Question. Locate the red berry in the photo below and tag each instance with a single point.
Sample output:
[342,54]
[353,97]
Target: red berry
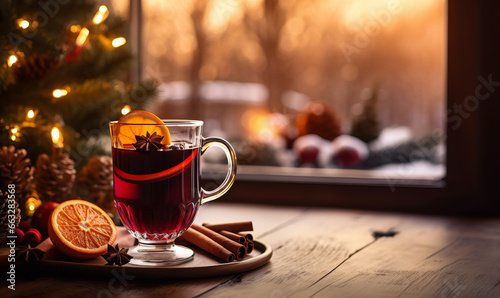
[347,157]
[19,234]
[42,215]
[32,237]
[24,226]
[308,155]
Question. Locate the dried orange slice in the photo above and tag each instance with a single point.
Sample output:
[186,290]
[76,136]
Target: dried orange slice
[126,133]
[81,230]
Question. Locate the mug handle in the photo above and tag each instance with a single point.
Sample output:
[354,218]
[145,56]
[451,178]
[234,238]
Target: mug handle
[210,195]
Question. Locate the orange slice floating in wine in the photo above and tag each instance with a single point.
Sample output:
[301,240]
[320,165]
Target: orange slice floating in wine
[141,122]
[81,230]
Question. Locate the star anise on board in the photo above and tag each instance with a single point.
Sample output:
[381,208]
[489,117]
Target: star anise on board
[29,255]
[148,142]
[116,255]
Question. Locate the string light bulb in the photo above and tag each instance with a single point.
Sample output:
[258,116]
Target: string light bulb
[82,36]
[101,14]
[22,23]
[32,204]
[31,114]
[12,59]
[57,138]
[75,28]
[14,133]
[125,110]
[118,42]
[58,93]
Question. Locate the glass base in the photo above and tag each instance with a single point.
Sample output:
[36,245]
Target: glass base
[159,254]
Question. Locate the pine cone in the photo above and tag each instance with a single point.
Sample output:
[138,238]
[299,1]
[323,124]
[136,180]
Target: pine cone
[320,119]
[97,179]
[16,169]
[4,214]
[55,178]
[34,66]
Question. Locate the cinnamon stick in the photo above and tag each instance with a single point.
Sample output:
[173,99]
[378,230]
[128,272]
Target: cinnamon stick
[250,246]
[234,227]
[248,236]
[235,247]
[204,242]
[233,236]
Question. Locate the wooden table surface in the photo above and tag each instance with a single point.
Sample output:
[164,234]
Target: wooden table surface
[319,252]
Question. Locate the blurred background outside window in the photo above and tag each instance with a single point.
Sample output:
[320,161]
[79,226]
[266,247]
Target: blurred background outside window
[320,88]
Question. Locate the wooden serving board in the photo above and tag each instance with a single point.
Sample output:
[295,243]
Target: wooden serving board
[203,265]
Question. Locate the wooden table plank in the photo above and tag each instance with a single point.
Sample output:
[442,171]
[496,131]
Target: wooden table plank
[430,257]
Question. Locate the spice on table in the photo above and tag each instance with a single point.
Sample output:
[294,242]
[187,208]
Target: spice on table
[29,255]
[204,242]
[236,248]
[234,227]
[117,255]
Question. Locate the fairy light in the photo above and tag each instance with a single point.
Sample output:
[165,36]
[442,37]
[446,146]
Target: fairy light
[125,110]
[14,133]
[101,14]
[31,205]
[22,23]
[58,93]
[57,138]
[12,59]
[31,114]
[75,28]
[82,36]
[118,42]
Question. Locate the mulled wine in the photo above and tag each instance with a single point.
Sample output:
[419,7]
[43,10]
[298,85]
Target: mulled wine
[157,192]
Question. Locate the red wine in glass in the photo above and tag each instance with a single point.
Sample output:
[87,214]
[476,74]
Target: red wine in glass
[156,192]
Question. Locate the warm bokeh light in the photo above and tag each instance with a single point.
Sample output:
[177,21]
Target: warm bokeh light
[125,110]
[22,23]
[101,14]
[31,205]
[14,133]
[58,93]
[31,114]
[12,60]
[82,36]
[118,42]
[57,138]
[75,28]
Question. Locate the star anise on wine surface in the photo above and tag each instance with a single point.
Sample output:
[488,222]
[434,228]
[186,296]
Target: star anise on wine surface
[148,142]
[29,255]
[116,255]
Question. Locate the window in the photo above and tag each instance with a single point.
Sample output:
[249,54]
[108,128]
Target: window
[225,64]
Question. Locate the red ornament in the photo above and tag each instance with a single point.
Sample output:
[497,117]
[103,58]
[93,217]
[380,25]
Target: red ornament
[347,157]
[308,155]
[70,57]
[19,235]
[24,226]
[42,215]
[32,237]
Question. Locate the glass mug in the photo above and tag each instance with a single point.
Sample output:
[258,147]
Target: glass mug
[157,192]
